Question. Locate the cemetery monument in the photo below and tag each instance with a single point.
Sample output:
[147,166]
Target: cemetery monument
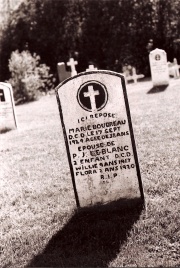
[130,74]
[159,67]
[61,68]
[99,138]
[72,63]
[62,73]
[7,108]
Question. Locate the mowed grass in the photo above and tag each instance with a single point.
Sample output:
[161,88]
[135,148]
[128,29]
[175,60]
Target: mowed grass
[40,226]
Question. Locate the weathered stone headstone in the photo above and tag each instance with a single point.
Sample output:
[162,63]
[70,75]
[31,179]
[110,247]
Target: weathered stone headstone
[62,73]
[72,63]
[100,144]
[130,74]
[159,67]
[174,68]
[7,109]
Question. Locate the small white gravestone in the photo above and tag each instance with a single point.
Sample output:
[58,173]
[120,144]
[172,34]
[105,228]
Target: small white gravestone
[134,76]
[7,108]
[159,67]
[97,128]
[174,68]
[72,63]
[91,68]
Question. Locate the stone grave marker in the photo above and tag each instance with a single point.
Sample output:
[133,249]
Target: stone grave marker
[7,108]
[62,73]
[99,138]
[129,73]
[159,67]
[174,68]
[72,63]
[91,68]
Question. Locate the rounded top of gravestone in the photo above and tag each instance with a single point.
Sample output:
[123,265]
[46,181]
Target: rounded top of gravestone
[96,123]
[157,51]
[5,84]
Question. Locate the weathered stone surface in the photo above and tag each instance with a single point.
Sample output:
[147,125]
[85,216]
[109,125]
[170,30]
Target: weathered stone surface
[7,109]
[159,67]
[99,139]
[62,73]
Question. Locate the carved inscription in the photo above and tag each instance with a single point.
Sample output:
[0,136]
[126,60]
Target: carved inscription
[97,149]
[98,137]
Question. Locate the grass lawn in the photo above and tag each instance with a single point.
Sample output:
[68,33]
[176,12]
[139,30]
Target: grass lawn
[39,224]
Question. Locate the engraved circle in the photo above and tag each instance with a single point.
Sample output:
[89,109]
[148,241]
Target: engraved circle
[157,57]
[92,95]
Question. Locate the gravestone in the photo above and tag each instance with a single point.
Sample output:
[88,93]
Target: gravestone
[72,63]
[159,67]
[7,108]
[62,73]
[91,68]
[99,138]
[129,73]
[174,68]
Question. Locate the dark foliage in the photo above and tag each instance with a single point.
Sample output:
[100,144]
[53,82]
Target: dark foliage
[106,33]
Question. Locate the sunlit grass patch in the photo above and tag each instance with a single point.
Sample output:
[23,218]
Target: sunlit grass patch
[39,223]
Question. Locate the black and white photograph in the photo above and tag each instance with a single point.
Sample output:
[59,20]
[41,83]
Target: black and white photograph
[89,133]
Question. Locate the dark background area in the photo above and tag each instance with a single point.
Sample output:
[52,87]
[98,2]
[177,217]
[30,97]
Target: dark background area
[107,33]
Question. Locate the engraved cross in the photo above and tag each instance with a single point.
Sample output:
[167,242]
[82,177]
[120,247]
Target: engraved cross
[91,94]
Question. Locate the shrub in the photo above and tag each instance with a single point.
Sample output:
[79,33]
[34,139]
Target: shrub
[28,76]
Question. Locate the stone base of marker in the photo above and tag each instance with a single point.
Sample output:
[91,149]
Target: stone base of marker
[100,144]
[121,204]
[8,119]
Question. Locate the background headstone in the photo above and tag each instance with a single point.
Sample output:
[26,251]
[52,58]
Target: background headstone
[7,108]
[174,68]
[62,73]
[72,63]
[99,138]
[159,67]
[130,74]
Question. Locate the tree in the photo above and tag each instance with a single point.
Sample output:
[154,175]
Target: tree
[167,28]
[117,32]
[28,76]
[107,33]
[48,28]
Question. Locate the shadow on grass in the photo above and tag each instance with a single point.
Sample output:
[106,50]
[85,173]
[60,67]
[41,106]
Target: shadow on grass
[4,130]
[157,89]
[92,237]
